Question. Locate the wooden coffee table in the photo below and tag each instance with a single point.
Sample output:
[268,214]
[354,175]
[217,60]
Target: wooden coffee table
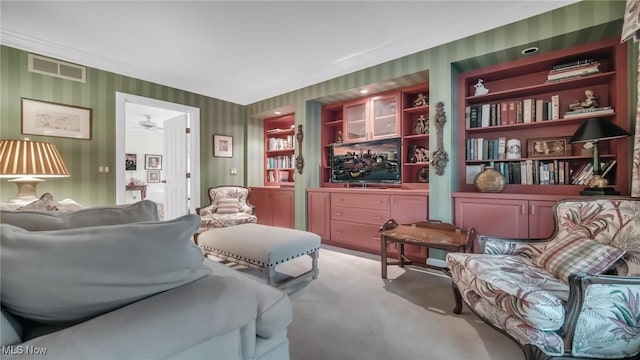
[429,234]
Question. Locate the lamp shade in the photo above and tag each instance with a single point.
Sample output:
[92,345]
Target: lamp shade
[597,129]
[20,158]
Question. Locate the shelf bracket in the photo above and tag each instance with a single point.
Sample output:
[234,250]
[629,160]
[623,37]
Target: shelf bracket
[439,157]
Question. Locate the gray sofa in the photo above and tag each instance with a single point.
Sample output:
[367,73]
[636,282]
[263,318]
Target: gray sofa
[116,283]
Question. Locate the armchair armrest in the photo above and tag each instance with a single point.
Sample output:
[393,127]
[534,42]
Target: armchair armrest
[529,248]
[608,303]
[159,326]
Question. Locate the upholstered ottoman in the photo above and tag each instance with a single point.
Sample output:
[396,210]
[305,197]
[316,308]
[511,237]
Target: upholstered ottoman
[262,247]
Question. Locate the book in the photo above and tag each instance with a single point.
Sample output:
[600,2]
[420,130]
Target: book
[555,107]
[589,111]
[474,116]
[527,106]
[519,111]
[471,172]
[539,108]
[502,147]
[504,113]
[467,116]
[570,64]
[576,72]
[485,115]
[511,113]
[608,167]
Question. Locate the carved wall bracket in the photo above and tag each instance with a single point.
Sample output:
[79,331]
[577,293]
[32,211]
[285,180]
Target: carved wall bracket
[299,158]
[439,158]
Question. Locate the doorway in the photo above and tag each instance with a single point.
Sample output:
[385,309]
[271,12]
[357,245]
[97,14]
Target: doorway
[183,157]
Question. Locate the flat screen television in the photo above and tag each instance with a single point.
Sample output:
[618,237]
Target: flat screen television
[375,161]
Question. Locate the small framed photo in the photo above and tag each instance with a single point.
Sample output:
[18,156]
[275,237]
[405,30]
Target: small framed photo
[547,147]
[153,176]
[130,161]
[222,146]
[51,119]
[152,162]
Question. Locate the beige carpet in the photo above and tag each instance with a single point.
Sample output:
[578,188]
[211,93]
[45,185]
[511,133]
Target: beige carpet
[350,312]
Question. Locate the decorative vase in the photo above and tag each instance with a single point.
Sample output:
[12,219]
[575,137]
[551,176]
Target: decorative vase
[489,180]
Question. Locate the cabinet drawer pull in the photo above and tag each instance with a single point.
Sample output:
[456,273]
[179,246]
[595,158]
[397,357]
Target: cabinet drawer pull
[376,217]
[522,209]
[339,232]
[338,212]
[533,209]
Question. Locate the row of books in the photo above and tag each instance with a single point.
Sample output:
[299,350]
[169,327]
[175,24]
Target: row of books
[280,143]
[578,68]
[512,112]
[486,149]
[280,162]
[541,172]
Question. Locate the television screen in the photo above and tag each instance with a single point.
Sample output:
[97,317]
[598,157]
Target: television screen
[376,161]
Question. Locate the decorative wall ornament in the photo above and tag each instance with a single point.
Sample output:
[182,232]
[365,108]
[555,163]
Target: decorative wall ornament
[439,158]
[299,158]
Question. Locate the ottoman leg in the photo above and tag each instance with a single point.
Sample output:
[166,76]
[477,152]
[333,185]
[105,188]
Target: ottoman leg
[314,263]
[270,273]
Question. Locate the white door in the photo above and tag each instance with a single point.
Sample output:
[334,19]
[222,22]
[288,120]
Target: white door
[176,190]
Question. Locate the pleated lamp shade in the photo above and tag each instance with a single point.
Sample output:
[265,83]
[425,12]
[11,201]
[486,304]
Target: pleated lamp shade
[27,161]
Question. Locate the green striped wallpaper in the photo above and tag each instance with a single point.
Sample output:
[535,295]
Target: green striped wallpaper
[86,185]
[560,28]
[568,26]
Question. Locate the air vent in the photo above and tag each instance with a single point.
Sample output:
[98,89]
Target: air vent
[64,70]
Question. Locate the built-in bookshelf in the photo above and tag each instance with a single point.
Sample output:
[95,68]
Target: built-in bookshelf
[279,155]
[402,113]
[533,106]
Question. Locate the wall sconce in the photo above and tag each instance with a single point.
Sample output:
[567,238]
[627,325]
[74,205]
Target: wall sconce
[28,161]
[595,130]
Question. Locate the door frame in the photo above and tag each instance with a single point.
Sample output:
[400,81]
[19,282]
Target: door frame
[193,162]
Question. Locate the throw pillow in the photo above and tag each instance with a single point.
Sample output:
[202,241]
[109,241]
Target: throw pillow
[46,202]
[574,255]
[35,220]
[62,277]
[227,205]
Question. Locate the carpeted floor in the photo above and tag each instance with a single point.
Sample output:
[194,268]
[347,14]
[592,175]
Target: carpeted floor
[350,312]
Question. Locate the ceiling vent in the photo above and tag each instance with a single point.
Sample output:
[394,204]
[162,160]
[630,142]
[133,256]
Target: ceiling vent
[64,70]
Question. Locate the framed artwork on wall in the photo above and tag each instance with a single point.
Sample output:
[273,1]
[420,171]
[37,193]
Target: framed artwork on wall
[152,162]
[130,161]
[51,119]
[153,176]
[222,146]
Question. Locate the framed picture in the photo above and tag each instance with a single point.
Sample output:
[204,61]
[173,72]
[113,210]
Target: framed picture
[51,119]
[152,162]
[547,147]
[153,176]
[130,161]
[222,146]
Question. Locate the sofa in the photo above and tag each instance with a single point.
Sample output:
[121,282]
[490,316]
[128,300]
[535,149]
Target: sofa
[116,283]
[575,294]
[228,206]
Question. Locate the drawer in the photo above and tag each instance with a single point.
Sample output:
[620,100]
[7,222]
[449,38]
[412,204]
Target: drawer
[366,201]
[356,236]
[363,215]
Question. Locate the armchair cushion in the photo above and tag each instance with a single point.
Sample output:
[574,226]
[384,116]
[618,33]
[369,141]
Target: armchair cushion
[577,255]
[92,270]
[227,205]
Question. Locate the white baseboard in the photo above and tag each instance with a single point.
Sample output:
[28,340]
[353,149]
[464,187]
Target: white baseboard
[436,262]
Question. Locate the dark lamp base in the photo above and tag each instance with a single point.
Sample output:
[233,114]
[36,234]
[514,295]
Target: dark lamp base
[591,191]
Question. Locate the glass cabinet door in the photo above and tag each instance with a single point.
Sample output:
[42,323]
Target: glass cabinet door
[384,122]
[355,127]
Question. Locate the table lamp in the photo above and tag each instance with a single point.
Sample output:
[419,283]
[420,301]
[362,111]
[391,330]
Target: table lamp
[595,130]
[27,162]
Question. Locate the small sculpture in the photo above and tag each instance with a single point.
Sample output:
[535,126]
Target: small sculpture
[421,154]
[480,89]
[339,139]
[591,101]
[422,125]
[421,100]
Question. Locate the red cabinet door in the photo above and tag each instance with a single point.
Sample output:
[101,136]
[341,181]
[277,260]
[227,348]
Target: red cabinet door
[260,199]
[406,209]
[281,208]
[540,219]
[497,217]
[318,213]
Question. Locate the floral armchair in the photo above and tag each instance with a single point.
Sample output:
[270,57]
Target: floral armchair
[228,205]
[573,295]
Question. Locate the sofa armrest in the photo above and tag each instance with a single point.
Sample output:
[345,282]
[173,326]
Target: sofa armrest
[205,210]
[529,248]
[608,303]
[159,326]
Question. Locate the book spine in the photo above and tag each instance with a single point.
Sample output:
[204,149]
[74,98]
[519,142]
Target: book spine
[486,115]
[555,107]
[504,113]
[474,114]
[502,147]
[539,107]
[519,112]
[512,113]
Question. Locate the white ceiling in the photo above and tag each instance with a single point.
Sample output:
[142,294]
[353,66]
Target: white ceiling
[247,51]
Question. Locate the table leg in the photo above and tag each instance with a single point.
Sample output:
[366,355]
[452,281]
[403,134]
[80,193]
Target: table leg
[383,255]
[401,253]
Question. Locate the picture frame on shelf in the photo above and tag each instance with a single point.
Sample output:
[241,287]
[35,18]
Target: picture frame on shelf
[222,146]
[546,147]
[153,176]
[152,162]
[130,162]
[53,119]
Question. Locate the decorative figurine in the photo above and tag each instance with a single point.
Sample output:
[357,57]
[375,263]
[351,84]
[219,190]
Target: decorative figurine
[422,125]
[480,89]
[339,139]
[591,101]
[421,100]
